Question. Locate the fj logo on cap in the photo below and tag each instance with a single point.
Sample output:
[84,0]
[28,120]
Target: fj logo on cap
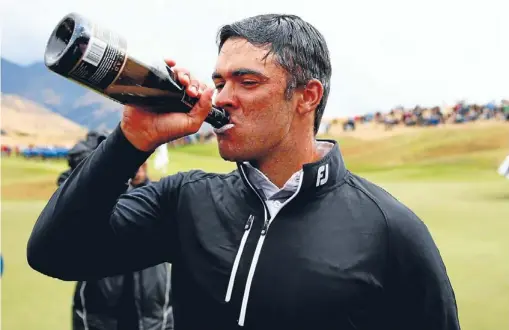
[323,175]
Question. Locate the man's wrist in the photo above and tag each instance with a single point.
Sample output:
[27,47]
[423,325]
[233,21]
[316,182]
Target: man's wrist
[127,147]
[136,142]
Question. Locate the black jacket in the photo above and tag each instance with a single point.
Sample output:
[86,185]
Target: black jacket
[343,254]
[133,301]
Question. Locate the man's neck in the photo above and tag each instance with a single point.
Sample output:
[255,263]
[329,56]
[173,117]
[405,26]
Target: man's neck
[286,160]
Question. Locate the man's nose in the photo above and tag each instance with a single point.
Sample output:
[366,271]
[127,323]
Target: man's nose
[225,97]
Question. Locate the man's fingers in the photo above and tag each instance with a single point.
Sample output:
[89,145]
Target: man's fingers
[204,104]
[171,63]
[193,88]
[202,88]
[202,107]
[183,76]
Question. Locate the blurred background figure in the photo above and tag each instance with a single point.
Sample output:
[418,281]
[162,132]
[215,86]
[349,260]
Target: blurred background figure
[140,178]
[81,150]
[161,159]
[132,301]
[503,169]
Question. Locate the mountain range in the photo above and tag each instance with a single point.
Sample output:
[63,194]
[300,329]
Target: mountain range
[38,84]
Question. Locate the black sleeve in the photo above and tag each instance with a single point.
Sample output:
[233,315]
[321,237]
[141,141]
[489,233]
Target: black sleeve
[91,228]
[423,297]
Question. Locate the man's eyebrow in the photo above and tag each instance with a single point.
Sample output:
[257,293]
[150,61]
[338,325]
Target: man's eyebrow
[240,72]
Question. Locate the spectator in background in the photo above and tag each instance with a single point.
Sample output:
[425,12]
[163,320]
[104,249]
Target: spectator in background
[6,150]
[390,120]
[131,301]
[505,109]
[140,178]
[349,125]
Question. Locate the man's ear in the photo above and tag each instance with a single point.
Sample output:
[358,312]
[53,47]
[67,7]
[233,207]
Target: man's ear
[310,97]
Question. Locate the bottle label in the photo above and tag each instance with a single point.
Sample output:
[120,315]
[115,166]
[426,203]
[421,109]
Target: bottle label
[103,59]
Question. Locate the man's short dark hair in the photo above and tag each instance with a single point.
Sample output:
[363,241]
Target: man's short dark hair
[297,45]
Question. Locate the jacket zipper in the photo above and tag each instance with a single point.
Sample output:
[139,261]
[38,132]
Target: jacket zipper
[267,221]
[166,309]
[247,230]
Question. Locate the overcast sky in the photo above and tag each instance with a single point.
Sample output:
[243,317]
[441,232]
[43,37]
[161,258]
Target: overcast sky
[384,52]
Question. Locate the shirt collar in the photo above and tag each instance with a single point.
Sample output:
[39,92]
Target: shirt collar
[266,188]
[317,176]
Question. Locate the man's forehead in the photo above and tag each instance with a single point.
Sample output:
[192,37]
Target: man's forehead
[239,53]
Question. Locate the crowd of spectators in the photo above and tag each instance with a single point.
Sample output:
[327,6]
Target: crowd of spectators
[461,112]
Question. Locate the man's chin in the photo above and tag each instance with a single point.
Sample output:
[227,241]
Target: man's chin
[230,155]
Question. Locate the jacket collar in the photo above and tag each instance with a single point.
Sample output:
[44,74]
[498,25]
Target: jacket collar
[326,173]
[317,177]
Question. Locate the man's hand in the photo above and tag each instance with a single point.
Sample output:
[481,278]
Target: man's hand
[147,130]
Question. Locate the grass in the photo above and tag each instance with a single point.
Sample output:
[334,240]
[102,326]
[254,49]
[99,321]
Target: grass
[447,177]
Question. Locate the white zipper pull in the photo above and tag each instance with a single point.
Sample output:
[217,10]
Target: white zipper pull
[265,227]
[247,230]
[249,222]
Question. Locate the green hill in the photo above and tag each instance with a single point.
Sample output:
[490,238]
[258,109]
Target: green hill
[432,153]
[440,153]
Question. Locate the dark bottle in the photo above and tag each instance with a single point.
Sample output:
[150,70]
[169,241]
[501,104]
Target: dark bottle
[95,57]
